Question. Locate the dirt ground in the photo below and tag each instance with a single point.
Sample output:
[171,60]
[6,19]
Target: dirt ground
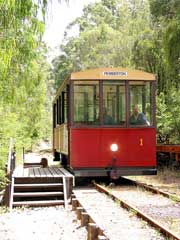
[43,150]
[55,223]
[47,223]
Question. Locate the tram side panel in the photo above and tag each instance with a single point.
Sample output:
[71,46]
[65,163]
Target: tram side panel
[90,148]
[61,139]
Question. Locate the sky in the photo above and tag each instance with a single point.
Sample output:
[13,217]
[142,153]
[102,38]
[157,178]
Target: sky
[59,16]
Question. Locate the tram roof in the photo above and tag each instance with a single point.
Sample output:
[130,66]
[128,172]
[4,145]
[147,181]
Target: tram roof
[112,74]
[108,74]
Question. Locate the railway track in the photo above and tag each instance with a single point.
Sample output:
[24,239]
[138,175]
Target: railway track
[153,189]
[106,220]
[148,211]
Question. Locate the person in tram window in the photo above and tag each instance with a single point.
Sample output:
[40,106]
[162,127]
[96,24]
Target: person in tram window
[137,118]
[107,118]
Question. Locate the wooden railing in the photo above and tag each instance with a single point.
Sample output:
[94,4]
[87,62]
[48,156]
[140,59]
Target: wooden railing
[11,162]
[10,166]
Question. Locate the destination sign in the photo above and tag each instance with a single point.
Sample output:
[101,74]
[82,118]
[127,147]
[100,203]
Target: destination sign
[112,73]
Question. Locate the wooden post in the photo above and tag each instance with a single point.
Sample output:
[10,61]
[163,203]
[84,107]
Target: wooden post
[44,162]
[84,219]
[92,231]
[72,196]
[79,210]
[74,204]
[11,193]
[7,194]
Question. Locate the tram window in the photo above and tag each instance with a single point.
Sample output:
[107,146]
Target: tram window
[114,103]
[86,102]
[64,107]
[140,103]
[54,115]
[60,111]
[57,105]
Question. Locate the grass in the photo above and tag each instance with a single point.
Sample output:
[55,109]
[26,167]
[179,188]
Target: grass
[166,179]
[133,212]
[118,202]
[3,209]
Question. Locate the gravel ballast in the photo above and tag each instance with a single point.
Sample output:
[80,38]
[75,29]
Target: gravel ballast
[116,222]
[47,223]
[160,208]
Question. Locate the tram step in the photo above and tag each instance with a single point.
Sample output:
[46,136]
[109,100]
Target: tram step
[39,203]
[37,194]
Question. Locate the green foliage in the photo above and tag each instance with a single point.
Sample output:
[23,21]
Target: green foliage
[172,46]
[164,119]
[174,109]
[167,9]
[24,107]
[107,33]
[168,117]
[166,19]
[166,15]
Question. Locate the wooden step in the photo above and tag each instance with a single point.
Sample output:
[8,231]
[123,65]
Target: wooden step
[41,187]
[39,203]
[37,194]
[38,185]
[66,173]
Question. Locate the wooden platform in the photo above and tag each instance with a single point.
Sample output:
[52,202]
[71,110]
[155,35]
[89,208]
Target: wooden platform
[37,172]
[38,186]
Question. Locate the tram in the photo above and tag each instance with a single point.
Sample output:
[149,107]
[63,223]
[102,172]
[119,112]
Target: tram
[104,123]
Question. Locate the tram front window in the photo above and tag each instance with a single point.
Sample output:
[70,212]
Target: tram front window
[140,103]
[114,103]
[86,102]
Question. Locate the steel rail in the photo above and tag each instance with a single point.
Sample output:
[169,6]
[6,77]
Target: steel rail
[140,214]
[154,190]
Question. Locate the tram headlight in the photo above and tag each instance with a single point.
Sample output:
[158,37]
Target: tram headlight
[114,147]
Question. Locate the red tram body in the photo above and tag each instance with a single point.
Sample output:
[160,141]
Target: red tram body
[88,144]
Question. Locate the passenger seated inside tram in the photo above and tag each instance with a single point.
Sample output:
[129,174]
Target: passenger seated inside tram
[137,118]
[107,118]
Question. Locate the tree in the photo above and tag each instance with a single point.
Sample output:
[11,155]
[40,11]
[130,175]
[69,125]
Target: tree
[167,15]
[107,33]
[23,75]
